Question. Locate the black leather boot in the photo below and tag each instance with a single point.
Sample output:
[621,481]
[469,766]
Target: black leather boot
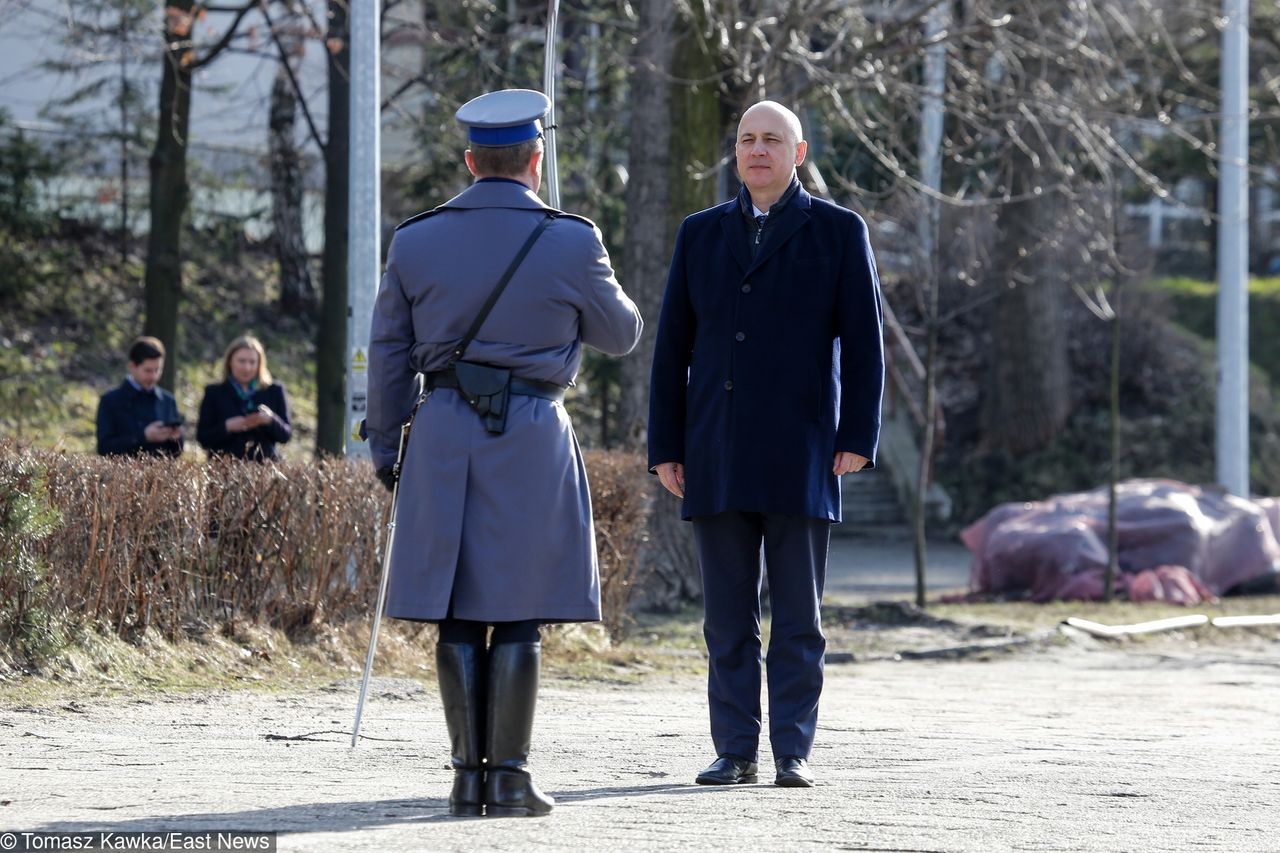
[460,669]
[513,693]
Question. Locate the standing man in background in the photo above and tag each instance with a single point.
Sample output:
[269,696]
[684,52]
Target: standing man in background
[494,509]
[139,416]
[767,376]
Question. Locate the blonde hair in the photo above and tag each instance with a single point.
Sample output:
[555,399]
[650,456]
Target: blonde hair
[247,342]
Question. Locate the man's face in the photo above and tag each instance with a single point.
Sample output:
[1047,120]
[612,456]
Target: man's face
[147,374]
[767,151]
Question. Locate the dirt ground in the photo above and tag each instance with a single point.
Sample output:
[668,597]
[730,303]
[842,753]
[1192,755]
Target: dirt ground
[1070,745]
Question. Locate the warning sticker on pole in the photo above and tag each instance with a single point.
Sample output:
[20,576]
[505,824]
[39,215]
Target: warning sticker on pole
[359,372]
[357,400]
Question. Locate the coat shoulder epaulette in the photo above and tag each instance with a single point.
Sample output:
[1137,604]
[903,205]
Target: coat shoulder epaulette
[560,214]
[419,217]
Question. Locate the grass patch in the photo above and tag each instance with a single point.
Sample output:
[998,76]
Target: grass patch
[240,656]
[1027,616]
[72,306]
[236,656]
[1194,304]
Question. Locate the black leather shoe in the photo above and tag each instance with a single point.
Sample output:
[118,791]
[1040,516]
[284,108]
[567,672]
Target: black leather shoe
[793,773]
[729,770]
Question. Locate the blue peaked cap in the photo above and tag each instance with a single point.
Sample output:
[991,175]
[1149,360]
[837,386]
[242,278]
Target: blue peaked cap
[502,118]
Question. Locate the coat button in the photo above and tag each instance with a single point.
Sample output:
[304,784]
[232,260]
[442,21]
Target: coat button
[728,385]
[746,288]
[741,336]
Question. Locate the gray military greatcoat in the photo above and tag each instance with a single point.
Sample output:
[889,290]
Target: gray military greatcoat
[492,528]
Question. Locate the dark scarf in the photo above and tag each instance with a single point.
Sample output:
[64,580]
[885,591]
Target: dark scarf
[246,397]
[745,203]
[755,226]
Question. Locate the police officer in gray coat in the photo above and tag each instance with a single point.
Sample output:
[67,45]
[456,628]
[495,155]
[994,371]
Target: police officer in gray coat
[494,523]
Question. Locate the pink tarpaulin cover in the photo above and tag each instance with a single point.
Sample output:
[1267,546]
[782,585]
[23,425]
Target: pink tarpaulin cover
[1178,543]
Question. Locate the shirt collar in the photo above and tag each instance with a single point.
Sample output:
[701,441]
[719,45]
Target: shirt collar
[133,383]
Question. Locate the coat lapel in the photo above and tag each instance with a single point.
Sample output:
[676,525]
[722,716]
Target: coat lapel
[735,235]
[792,218]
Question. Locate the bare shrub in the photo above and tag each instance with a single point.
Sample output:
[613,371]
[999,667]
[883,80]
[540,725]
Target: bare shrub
[164,544]
[157,543]
[620,508]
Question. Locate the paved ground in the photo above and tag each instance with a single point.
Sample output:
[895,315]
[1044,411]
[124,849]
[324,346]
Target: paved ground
[1074,746]
[1077,748]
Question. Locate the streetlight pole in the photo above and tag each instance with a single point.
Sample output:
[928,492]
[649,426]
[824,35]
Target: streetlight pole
[1233,254]
[364,212]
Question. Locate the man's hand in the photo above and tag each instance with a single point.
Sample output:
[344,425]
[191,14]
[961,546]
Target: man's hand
[156,432]
[672,476]
[387,477]
[848,463]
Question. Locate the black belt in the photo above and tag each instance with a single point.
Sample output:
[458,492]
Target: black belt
[523,387]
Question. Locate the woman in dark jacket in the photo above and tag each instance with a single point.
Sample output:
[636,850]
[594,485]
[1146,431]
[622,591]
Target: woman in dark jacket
[247,415]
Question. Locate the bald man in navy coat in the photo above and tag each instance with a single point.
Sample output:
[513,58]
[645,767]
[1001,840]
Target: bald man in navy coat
[767,378]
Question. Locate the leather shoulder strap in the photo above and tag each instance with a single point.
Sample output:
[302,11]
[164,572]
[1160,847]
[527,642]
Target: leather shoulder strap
[461,348]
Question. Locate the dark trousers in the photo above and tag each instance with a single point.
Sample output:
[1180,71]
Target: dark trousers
[794,548]
[467,633]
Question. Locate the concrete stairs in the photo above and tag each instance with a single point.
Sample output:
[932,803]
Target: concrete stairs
[871,505]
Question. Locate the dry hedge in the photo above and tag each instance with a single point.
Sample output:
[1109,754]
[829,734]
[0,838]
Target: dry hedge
[166,544]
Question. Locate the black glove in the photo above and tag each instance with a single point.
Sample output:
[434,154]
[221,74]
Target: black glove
[387,476]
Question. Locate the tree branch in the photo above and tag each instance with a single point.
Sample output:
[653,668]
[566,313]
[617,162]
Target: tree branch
[293,81]
[240,13]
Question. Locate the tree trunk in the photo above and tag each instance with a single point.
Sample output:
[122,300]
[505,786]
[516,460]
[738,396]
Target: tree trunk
[331,341]
[1113,486]
[297,293]
[681,136]
[1029,397]
[647,252]
[169,196]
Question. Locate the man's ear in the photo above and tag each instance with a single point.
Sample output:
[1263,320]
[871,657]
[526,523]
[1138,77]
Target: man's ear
[535,162]
[471,163]
[802,148]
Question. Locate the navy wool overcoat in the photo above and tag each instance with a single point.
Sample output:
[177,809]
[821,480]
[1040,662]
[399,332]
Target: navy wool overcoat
[221,403]
[764,367]
[493,528]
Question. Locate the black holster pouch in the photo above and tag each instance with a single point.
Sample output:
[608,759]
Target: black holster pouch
[487,390]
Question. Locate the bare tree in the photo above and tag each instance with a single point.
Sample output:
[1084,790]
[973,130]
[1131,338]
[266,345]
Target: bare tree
[331,340]
[170,192]
[103,48]
[297,292]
